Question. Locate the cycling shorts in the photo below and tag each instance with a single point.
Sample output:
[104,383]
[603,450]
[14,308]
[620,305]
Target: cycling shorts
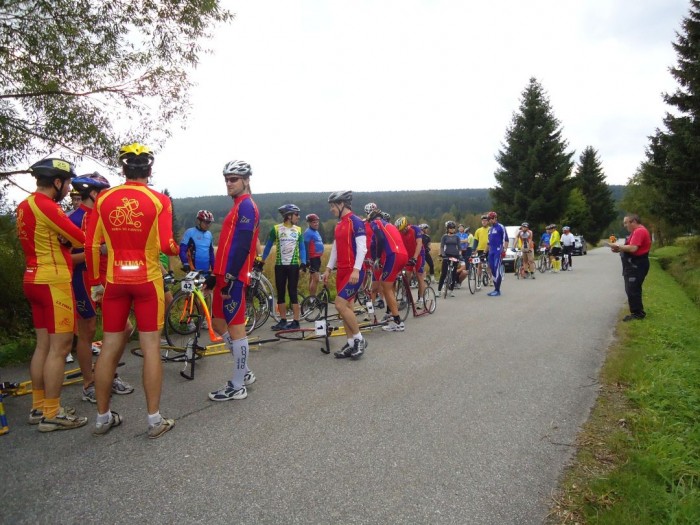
[231,309]
[315,264]
[287,280]
[393,264]
[342,283]
[147,300]
[555,252]
[84,306]
[53,306]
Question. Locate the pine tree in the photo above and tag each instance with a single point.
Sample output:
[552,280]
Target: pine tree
[600,204]
[534,178]
[673,156]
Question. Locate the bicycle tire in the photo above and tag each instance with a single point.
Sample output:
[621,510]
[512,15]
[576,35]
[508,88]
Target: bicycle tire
[518,267]
[429,300]
[564,263]
[472,279]
[542,263]
[402,301]
[298,334]
[170,353]
[448,282]
[261,307]
[312,307]
[181,316]
[485,279]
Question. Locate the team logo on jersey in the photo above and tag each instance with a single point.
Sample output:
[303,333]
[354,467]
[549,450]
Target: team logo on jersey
[231,306]
[126,214]
[21,226]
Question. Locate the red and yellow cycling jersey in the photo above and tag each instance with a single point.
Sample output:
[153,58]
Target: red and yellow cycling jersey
[40,222]
[136,223]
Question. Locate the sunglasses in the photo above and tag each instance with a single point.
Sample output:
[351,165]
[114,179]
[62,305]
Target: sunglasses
[232,179]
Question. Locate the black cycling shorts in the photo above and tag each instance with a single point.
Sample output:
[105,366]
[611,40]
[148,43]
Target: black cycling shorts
[315,264]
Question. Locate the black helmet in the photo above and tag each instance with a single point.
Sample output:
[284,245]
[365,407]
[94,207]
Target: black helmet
[341,196]
[450,224]
[53,168]
[287,209]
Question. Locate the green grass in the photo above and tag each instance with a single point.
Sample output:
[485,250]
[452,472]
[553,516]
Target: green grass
[16,350]
[638,458]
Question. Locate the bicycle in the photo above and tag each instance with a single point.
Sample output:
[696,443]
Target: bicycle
[543,261]
[449,282]
[189,304]
[473,275]
[404,298]
[314,305]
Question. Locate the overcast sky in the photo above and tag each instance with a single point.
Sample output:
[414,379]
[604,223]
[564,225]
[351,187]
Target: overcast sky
[320,95]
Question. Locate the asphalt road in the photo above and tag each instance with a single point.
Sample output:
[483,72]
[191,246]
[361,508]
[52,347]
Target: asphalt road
[466,417]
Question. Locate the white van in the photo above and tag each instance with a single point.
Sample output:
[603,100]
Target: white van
[509,259]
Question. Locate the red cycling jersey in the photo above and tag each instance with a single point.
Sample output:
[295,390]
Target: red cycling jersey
[243,217]
[40,222]
[136,223]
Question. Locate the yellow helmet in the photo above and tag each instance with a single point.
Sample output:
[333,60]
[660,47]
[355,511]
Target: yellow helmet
[136,156]
[401,223]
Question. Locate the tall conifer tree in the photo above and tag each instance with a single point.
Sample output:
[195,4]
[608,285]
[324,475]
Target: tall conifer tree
[672,168]
[534,178]
[600,204]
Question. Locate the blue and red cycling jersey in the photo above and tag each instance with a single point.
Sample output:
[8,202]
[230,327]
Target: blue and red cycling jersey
[314,244]
[238,240]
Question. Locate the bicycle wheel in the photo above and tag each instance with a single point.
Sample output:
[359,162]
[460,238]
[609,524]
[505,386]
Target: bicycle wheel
[564,262]
[402,299]
[542,263]
[518,267]
[448,282]
[261,307]
[181,317]
[429,300]
[312,307]
[472,280]
[485,279]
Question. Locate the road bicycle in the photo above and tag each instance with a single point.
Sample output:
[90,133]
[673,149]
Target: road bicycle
[404,298]
[518,266]
[449,282]
[473,274]
[188,304]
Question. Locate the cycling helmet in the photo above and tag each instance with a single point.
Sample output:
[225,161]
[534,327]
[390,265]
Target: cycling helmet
[385,216]
[287,209]
[423,226]
[450,224]
[238,167]
[86,183]
[340,196]
[492,215]
[566,228]
[312,217]
[401,223]
[53,168]
[484,217]
[205,215]
[550,227]
[371,208]
[74,193]
[525,225]
[136,156]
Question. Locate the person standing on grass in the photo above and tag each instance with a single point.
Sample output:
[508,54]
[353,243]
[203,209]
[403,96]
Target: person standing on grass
[46,235]
[347,254]
[313,242]
[135,223]
[235,256]
[635,264]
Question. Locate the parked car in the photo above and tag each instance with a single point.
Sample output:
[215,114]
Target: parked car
[511,252]
[580,247]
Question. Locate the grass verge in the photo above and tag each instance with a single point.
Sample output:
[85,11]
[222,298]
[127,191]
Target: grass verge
[638,456]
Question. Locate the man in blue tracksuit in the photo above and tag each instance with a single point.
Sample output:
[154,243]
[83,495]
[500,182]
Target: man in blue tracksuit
[498,241]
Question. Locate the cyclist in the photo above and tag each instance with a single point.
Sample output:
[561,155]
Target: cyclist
[88,187]
[413,241]
[449,247]
[554,248]
[496,250]
[464,244]
[197,244]
[313,243]
[235,256]
[426,247]
[290,259]
[481,241]
[524,240]
[136,224]
[347,254]
[389,253]
[567,245]
[46,235]
[75,199]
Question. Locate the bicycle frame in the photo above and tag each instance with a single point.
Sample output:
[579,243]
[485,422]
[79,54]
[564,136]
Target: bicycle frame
[190,286]
[427,308]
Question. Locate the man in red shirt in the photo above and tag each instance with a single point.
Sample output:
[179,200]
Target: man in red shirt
[46,236]
[135,222]
[635,264]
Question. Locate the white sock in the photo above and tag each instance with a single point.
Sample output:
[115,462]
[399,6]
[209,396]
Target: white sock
[227,339]
[104,418]
[240,362]
[154,419]
[357,337]
[351,341]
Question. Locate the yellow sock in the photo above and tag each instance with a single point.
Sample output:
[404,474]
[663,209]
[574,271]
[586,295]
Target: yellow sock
[37,399]
[51,407]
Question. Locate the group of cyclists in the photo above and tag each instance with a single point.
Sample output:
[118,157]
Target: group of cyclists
[114,250]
